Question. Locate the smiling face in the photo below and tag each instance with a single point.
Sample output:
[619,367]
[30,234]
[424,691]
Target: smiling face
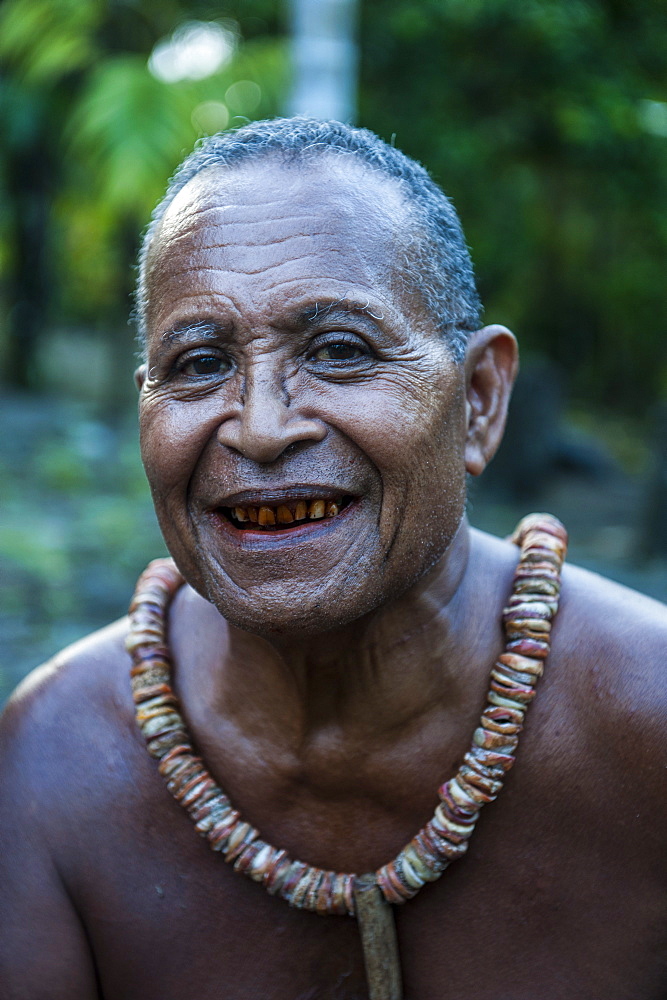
[302,422]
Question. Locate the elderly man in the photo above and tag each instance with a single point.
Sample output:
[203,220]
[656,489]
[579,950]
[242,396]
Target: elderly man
[316,388]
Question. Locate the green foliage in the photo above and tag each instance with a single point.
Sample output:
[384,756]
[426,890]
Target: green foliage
[90,139]
[42,41]
[77,527]
[546,122]
[124,136]
[131,130]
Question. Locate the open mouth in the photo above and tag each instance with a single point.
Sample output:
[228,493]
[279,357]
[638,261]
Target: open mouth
[286,515]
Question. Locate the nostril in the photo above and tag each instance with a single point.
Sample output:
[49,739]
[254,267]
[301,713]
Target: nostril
[264,434]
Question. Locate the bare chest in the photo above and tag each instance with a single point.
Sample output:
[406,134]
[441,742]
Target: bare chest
[530,911]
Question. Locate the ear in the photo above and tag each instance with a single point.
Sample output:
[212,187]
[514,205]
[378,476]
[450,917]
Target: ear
[491,364]
[140,376]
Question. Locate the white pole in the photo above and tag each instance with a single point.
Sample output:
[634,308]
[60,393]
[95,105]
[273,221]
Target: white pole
[324,58]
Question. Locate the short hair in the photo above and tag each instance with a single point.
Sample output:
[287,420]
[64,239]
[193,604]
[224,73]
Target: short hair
[436,264]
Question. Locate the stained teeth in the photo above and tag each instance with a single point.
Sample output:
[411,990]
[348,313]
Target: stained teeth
[284,515]
[301,511]
[266,516]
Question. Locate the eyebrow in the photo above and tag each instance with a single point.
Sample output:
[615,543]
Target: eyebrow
[210,329]
[206,328]
[322,310]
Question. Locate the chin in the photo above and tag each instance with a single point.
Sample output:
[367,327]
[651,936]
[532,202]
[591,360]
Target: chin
[298,597]
[296,608]
[275,614]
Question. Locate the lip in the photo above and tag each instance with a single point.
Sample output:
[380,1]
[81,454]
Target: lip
[281,495]
[280,537]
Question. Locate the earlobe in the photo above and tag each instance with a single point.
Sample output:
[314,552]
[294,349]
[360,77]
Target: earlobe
[140,376]
[491,365]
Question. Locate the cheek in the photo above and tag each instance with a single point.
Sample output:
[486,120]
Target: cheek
[172,436]
[417,446]
[408,437]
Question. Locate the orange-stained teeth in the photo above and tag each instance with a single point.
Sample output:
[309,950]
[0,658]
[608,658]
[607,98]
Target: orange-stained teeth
[316,509]
[301,511]
[284,515]
[266,516]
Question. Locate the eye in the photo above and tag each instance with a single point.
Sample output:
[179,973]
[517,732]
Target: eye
[338,351]
[208,364]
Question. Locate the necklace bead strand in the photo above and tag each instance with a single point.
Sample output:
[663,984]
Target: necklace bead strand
[527,621]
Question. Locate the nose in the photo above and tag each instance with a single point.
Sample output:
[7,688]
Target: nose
[267,422]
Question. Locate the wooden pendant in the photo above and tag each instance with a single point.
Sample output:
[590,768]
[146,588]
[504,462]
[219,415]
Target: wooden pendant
[378,940]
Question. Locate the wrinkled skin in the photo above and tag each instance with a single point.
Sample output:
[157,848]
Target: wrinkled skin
[385,425]
[332,673]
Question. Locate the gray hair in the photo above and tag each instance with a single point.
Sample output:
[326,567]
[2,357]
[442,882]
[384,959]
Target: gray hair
[437,263]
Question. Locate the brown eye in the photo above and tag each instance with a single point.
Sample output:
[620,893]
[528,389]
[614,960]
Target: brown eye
[338,352]
[209,365]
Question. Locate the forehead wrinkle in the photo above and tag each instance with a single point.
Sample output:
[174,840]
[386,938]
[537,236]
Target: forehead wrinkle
[181,255]
[195,212]
[200,269]
[312,236]
[197,197]
[365,300]
[290,212]
[189,236]
[243,202]
[187,221]
[371,262]
[237,180]
[199,246]
[366,292]
[198,294]
[249,189]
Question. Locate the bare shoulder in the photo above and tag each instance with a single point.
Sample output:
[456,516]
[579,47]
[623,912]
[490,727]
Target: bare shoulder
[66,721]
[62,736]
[605,678]
[89,673]
[596,735]
[618,638]
[605,703]
[602,628]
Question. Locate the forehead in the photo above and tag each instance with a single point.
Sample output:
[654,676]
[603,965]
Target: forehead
[272,233]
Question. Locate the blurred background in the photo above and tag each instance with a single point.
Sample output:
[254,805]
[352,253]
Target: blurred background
[544,120]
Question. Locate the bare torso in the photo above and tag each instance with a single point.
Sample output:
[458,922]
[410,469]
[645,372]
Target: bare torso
[112,895]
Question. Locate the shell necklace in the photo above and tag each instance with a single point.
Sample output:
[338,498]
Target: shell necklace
[527,620]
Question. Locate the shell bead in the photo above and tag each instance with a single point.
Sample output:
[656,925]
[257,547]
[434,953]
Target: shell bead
[527,619]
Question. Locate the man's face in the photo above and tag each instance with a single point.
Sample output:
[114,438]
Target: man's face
[288,373]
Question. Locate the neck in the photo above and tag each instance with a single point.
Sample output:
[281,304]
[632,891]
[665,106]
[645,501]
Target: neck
[378,675]
[527,623]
